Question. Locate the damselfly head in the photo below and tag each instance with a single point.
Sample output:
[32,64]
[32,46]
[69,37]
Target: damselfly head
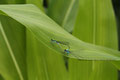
[67,51]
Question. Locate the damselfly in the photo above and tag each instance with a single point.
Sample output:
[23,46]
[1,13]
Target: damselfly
[65,50]
[72,53]
[61,42]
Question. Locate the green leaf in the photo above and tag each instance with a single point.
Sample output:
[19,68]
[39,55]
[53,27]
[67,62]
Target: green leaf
[38,3]
[12,1]
[103,69]
[44,30]
[2,1]
[84,31]
[43,64]
[1,78]
[95,24]
[12,50]
[80,70]
[64,13]
[116,64]
[46,62]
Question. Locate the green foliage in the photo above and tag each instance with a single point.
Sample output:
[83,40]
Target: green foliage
[38,3]
[12,49]
[27,52]
[64,13]
[95,24]
[45,32]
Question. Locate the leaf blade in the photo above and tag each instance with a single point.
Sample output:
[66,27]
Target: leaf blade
[13,58]
[47,32]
